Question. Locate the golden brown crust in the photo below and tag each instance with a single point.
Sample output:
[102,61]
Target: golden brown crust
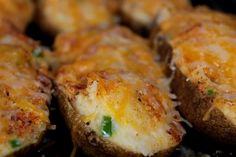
[186,20]
[26,90]
[70,15]
[17,12]
[116,61]
[23,116]
[143,15]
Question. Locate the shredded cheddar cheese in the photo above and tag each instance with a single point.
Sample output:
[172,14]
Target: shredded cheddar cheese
[71,15]
[207,55]
[9,12]
[186,20]
[112,72]
[23,110]
[145,12]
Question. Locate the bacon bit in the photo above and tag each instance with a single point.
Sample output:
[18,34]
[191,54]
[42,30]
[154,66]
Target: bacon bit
[79,86]
[105,83]
[21,122]
[150,97]
[44,80]
[201,87]
[39,99]
[176,130]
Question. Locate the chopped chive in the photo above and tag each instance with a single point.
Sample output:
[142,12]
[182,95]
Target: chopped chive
[107,126]
[211,92]
[37,53]
[15,143]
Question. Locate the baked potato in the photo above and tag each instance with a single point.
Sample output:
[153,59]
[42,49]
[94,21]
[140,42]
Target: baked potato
[113,95]
[203,61]
[16,12]
[69,15]
[41,55]
[185,20]
[162,34]
[146,14]
[25,93]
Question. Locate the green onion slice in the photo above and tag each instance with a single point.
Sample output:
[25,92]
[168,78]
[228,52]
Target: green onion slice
[37,53]
[107,126]
[211,92]
[15,143]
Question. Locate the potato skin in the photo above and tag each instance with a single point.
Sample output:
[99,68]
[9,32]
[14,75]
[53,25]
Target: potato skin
[19,42]
[164,50]
[194,104]
[23,152]
[86,139]
[71,82]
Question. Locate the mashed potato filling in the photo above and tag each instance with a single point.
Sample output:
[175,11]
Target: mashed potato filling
[134,127]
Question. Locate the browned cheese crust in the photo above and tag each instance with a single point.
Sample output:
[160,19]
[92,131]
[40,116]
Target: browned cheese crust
[143,15]
[86,57]
[199,106]
[17,12]
[56,16]
[25,93]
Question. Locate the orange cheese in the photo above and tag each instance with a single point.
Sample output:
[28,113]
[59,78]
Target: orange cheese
[71,15]
[112,72]
[206,55]
[23,98]
[9,11]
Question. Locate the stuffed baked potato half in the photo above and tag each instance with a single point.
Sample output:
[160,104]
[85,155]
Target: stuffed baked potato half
[146,14]
[25,93]
[113,95]
[57,16]
[17,12]
[203,62]
[184,21]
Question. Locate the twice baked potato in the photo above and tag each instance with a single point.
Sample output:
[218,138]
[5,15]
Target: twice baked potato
[41,56]
[17,12]
[113,95]
[25,93]
[69,15]
[203,61]
[144,14]
[185,20]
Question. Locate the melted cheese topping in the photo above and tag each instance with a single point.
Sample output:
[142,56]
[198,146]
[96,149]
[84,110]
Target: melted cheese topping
[206,55]
[145,12]
[117,48]
[18,12]
[185,20]
[9,36]
[71,15]
[24,95]
[117,76]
